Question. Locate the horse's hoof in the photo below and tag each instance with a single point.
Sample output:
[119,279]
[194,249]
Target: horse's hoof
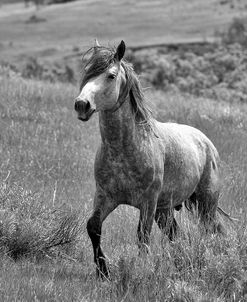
[103,275]
[102,271]
[219,229]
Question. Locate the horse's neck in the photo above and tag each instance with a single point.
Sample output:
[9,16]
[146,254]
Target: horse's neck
[118,129]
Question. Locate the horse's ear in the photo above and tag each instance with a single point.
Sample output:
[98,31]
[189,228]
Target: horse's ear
[120,51]
[96,45]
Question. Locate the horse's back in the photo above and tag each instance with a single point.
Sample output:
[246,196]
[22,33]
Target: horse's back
[186,139]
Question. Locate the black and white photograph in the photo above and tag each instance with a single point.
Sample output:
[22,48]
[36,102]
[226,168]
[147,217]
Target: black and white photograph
[123,150]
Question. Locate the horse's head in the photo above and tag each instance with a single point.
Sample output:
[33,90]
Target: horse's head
[102,83]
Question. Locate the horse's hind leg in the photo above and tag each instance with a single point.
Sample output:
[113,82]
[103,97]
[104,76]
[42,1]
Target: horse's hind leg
[166,222]
[191,203]
[207,196]
[207,207]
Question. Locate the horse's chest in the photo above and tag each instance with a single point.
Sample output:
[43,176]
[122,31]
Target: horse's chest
[126,176]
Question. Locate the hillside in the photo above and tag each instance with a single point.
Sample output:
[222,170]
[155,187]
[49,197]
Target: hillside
[76,24]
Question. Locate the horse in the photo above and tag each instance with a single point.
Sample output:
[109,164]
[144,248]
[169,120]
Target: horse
[152,166]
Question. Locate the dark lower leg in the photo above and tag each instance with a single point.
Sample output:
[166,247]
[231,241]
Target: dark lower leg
[94,231]
[167,223]
[173,230]
[207,207]
[145,226]
[142,234]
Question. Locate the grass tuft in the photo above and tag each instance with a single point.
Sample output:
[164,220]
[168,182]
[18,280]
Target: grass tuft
[30,228]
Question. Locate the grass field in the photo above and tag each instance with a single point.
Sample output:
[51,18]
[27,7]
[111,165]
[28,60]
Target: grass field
[47,160]
[47,157]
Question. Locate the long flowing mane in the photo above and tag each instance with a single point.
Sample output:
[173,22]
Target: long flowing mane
[100,59]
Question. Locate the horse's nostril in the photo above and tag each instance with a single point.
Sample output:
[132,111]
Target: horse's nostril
[87,106]
[82,106]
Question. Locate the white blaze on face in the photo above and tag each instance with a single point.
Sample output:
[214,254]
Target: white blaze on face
[89,90]
[102,92]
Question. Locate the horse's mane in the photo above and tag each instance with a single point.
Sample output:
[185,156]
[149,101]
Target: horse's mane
[100,59]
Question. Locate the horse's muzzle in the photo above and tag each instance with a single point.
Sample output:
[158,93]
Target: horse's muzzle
[84,110]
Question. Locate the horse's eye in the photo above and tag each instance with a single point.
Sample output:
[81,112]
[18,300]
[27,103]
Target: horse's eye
[111,76]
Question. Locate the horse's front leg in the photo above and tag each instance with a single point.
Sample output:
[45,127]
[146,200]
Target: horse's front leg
[102,208]
[147,214]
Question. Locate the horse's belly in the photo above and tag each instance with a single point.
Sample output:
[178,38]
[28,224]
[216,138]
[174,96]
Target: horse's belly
[179,184]
[176,194]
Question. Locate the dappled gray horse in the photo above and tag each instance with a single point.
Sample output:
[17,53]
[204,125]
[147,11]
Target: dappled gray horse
[141,162]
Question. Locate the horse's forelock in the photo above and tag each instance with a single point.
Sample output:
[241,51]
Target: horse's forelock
[99,61]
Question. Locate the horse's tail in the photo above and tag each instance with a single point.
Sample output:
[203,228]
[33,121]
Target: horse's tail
[190,204]
[223,213]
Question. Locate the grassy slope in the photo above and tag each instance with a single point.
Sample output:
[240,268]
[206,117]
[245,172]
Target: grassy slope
[44,146]
[138,22]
